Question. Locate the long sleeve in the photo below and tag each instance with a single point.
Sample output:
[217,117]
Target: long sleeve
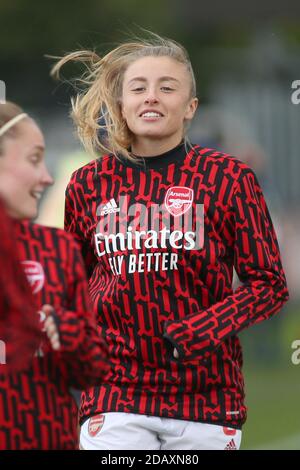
[257,263]
[19,323]
[83,350]
[73,221]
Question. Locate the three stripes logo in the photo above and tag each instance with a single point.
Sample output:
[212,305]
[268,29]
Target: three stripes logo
[231,445]
[109,208]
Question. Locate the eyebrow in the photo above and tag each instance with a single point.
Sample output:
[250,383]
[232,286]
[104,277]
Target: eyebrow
[39,147]
[161,79]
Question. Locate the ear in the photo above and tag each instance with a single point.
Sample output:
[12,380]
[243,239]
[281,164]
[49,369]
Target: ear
[191,109]
[122,109]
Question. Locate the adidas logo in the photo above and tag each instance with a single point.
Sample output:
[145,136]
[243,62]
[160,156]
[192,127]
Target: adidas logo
[231,445]
[109,208]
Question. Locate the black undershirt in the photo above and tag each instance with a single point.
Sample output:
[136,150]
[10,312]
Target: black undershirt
[175,155]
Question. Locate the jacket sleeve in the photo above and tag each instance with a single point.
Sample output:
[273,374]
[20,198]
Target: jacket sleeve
[75,219]
[258,265]
[20,331]
[83,352]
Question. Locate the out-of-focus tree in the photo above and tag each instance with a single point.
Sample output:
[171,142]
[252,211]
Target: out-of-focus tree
[29,28]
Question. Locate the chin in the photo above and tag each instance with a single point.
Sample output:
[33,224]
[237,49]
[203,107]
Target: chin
[30,214]
[153,135]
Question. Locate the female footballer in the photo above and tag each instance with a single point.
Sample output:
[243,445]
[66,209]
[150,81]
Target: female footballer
[37,409]
[162,224]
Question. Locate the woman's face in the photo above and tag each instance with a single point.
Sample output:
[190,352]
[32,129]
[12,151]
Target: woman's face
[23,173]
[156,100]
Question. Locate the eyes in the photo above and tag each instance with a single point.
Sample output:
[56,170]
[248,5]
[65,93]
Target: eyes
[141,89]
[35,158]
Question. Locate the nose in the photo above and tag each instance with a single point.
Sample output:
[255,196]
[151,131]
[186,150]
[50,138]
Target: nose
[151,97]
[47,179]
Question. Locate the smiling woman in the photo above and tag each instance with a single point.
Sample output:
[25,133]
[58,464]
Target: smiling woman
[118,86]
[23,173]
[156,103]
[161,280]
[75,355]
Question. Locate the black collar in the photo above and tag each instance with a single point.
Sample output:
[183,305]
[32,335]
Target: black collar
[175,155]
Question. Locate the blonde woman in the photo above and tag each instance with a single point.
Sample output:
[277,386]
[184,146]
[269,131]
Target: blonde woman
[161,224]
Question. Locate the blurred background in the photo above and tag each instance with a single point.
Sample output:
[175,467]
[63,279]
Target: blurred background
[246,57]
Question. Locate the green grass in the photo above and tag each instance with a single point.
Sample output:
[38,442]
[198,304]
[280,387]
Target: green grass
[273,400]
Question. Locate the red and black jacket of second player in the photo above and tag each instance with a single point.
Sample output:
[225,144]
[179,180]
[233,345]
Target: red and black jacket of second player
[19,327]
[36,407]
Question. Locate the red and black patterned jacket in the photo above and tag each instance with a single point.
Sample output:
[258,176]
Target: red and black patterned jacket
[160,241]
[37,409]
[20,332]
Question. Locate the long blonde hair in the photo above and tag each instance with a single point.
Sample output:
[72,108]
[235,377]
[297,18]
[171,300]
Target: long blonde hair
[96,110]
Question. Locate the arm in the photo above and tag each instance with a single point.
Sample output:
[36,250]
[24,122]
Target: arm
[258,265]
[83,352]
[75,203]
[19,322]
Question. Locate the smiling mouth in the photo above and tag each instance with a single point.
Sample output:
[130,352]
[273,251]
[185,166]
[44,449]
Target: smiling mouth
[151,115]
[36,194]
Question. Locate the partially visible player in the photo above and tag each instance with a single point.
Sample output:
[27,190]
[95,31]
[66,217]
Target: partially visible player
[37,410]
[162,224]
[19,327]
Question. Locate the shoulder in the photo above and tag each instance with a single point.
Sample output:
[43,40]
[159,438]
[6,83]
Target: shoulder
[87,172]
[48,235]
[53,248]
[224,162]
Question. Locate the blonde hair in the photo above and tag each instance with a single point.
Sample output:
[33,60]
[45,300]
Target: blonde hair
[96,111]
[9,111]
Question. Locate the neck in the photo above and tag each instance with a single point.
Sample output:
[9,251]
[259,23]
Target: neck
[151,148]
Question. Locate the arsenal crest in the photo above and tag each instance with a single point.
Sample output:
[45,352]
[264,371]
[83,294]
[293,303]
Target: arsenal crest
[229,431]
[178,200]
[35,275]
[95,424]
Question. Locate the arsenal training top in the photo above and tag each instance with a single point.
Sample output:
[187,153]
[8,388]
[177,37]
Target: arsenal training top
[37,409]
[160,239]
[19,327]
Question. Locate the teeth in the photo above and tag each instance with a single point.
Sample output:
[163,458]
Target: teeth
[36,194]
[151,115]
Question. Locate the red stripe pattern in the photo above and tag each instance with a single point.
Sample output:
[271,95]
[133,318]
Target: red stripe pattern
[37,410]
[152,293]
[19,328]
